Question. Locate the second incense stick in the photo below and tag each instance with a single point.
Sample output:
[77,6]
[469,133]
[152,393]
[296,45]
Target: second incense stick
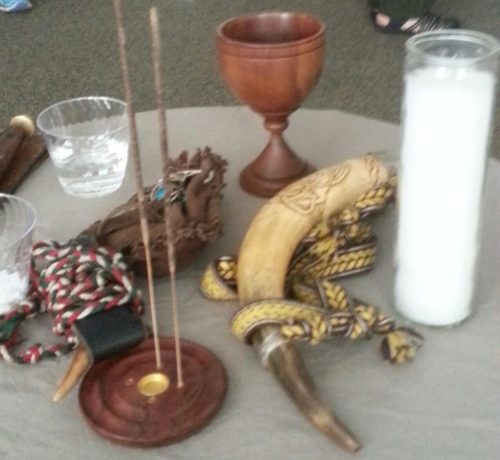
[156,57]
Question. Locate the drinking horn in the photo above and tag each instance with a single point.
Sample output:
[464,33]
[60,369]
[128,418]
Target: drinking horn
[263,260]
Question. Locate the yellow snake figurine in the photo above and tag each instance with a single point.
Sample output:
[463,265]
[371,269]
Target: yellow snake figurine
[284,280]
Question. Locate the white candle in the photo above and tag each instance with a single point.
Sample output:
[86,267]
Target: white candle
[447,116]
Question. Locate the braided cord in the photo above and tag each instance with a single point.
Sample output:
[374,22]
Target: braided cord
[343,246]
[75,280]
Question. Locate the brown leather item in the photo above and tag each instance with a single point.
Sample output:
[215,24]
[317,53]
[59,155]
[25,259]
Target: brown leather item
[195,217]
[21,150]
[10,140]
[29,155]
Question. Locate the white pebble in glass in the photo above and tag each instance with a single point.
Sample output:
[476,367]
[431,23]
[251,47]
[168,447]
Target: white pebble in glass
[17,221]
[447,116]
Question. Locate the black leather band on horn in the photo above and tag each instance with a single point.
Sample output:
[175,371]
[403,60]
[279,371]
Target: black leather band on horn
[109,332]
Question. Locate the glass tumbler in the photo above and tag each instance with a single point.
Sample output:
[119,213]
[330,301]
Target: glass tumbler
[447,113]
[87,140]
[17,220]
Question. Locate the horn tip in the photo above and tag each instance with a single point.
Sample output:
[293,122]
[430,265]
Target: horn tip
[75,372]
[352,445]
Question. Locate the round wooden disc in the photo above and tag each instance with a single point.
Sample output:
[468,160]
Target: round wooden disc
[112,404]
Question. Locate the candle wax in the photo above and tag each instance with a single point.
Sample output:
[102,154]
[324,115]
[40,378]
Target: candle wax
[447,117]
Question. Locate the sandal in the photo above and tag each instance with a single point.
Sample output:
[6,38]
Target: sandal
[14,6]
[425,23]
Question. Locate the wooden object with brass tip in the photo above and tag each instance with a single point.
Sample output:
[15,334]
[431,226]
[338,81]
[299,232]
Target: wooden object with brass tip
[271,61]
[21,151]
[20,127]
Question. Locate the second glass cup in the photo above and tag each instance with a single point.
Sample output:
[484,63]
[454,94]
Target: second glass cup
[87,139]
[17,221]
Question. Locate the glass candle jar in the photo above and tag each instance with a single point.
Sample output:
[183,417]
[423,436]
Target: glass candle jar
[447,117]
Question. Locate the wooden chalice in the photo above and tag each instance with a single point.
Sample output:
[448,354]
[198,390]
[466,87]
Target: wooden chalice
[271,61]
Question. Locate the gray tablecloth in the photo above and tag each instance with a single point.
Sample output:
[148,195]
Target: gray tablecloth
[444,405]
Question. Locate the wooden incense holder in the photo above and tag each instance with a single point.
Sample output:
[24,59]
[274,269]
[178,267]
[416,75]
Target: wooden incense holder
[113,404]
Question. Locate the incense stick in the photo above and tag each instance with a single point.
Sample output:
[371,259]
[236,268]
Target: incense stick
[156,56]
[134,148]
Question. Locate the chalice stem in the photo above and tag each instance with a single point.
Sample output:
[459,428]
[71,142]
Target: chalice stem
[278,160]
[276,124]
[277,165]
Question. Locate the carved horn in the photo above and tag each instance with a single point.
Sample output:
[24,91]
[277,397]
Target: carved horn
[263,261]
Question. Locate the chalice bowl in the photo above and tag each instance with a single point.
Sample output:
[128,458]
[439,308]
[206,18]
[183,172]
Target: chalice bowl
[271,61]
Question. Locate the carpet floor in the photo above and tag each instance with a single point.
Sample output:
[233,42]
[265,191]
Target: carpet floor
[67,48]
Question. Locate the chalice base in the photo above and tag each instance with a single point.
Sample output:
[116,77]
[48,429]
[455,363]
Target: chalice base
[113,405]
[276,167]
